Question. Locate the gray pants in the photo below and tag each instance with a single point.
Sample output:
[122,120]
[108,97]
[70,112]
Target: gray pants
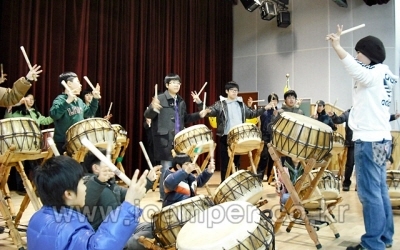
[143,229]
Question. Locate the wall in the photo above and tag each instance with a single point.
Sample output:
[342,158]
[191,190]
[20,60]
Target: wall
[265,53]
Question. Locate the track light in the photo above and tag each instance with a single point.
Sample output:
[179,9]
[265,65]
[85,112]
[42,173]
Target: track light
[268,10]
[251,5]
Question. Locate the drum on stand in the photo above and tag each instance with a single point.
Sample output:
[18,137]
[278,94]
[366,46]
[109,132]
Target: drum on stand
[246,136]
[23,133]
[46,133]
[94,129]
[167,223]
[231,225]
[301,137]
[121,133]
[240,186]
[338,143]
[197,135]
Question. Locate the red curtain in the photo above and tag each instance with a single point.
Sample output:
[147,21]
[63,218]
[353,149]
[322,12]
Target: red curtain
[125,46]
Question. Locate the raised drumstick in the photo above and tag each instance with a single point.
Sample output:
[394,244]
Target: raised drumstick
[145,155]
[89,82]
[156,97]
[106,161]
[110,140]
[202,88]
[351,29]
[204,102]
[27,61]
[66,87]
[258,101]
[316,108]
[109,109]
[1,65]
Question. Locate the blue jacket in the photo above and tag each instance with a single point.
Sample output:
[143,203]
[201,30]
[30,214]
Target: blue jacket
[180,185]
[69,229]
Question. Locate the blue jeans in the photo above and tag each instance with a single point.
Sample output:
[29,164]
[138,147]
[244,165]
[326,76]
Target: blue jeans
[165,166]
[370,161]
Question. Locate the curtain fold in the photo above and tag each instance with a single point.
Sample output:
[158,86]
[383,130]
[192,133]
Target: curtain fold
[125,46]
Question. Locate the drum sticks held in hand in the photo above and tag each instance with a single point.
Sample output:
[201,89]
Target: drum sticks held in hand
[89,82]
[27,61]
[351,29]
[145,155]
[202,88]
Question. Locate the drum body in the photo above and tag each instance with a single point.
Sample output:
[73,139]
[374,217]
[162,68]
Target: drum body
[239,225]
[338,143]
[246,136]
[94,129]
[23,133]
[301,137]
[197,135]
[240,186]
[46,133]
[393,181]
[167,223]
[121,133]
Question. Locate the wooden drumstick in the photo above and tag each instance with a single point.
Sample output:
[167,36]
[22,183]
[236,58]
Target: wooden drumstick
[316,108]
[66,87]
[89,82]
[204,102]
[110,141]
[27,61]
[351,29]
[255,106]
[109,109]
[334,105]
[53,147]
[1,66]
[145,155]
[212,151]
[106,161]
[258,101]
[202,88]
[156,97]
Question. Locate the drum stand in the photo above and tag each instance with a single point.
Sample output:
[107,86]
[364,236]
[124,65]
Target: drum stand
[294,203]
[8,160]
[253,161]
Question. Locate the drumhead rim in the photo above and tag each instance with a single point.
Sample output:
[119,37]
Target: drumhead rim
[298,117]
[185,130]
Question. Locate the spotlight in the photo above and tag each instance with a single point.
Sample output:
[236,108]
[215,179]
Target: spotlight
[251,5]
[283,19]
[341,3]
[268,10]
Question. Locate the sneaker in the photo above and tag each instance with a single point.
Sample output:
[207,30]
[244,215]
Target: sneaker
[389,245]
[358,247]
[346,188]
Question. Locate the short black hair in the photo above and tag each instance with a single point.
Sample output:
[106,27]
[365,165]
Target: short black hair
[290,93]
[91,159]
[84,92]
[231,84]
[273,95]
[66,76]
[54,177]
[180,159]
[171,77]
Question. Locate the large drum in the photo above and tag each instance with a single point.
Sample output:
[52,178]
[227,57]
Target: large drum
[46,133]
[198,135]
[231,225]
[121,133]
[167,223]
[94,129]
[240,186]
[246,136]
[393,181]
[301,137]
[23,133]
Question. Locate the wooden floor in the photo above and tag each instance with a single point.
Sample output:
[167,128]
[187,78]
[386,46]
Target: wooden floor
[348,214]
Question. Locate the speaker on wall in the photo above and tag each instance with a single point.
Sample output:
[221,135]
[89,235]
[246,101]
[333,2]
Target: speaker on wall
[283,19]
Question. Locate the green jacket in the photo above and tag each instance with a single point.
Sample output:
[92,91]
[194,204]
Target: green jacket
[67,114]
[39,119]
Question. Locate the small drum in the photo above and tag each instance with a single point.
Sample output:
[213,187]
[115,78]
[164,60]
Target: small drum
[167,223]
[301,137]
[197,135]
[122,134]
[240,186]
[231,225]
[23,133]
[46,133]
[338,143]
[393,181]
[94,129]
[246,136]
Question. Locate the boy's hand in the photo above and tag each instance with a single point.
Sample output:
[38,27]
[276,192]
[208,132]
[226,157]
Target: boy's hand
[211,166]
[189,167]
[152,176]
[137,189]
[105,173]
[195,97]
[34,73]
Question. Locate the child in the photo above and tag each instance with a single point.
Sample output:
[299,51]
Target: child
[57,226]
[294,169]
[180,183]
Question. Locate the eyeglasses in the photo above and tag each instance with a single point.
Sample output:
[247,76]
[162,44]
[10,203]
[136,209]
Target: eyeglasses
[234,90]
[175,82]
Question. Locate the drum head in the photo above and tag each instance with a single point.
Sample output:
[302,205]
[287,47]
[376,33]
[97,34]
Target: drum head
[219,227]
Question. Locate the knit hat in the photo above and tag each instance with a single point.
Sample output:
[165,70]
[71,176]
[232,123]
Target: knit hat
[372,48]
